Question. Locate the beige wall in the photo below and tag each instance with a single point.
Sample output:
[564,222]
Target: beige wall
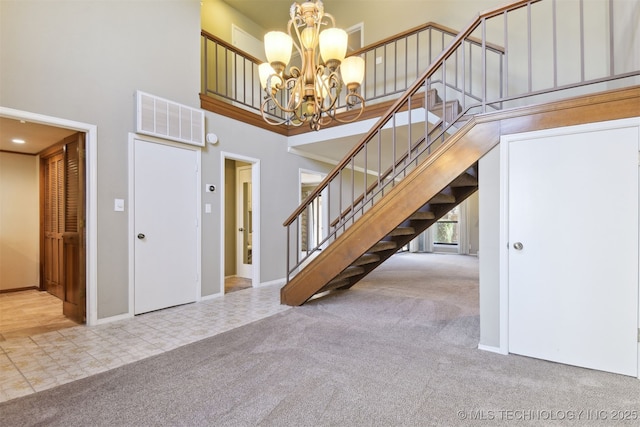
[218,17]
[384,18]
[19,221]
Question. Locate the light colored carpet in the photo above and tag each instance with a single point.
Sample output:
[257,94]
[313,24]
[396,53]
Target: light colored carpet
[399,349]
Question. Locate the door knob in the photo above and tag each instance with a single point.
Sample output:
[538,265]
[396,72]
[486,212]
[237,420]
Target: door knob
[518,246]
[141,236]
[240,229]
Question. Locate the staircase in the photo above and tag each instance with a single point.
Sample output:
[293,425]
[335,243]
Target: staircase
[414,224]
[434,172]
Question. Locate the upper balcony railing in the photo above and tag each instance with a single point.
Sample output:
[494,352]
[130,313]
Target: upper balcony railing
[391,65]
[552,50]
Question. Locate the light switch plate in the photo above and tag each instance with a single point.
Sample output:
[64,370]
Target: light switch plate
[118,205]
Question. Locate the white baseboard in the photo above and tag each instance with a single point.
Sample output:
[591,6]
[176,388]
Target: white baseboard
[277,282]
[210,297]
[490,348]
[114,318]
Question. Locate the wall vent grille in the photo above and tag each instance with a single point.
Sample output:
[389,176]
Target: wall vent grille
[166,119]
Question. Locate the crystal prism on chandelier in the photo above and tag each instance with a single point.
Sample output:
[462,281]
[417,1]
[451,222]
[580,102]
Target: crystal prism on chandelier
[310,93]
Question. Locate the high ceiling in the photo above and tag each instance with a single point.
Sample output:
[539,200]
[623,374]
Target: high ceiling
[270,14]
[36,136]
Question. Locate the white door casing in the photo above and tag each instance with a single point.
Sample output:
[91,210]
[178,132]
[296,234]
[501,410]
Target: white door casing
[572,203]
[165,209]
[91,199]
[255,201]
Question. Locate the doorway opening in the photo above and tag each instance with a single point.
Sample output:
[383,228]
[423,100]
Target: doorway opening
[72,278]
[240,210]
[78,240]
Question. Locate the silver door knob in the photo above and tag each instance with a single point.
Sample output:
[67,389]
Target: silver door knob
[141,236]
[518,246]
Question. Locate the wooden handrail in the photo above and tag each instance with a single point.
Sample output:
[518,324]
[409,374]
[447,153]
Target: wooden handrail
[445,54]
[418,29]
[232,48]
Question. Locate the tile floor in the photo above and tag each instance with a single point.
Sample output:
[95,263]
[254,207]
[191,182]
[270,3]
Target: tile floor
[37,362]
[30,312]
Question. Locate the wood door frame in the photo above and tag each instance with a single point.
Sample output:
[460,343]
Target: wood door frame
[504,212]
[91,198]
[255,200]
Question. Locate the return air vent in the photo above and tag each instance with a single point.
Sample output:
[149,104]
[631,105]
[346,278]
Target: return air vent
[170,120]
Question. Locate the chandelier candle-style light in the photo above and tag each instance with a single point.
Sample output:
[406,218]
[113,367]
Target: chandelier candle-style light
[309,94]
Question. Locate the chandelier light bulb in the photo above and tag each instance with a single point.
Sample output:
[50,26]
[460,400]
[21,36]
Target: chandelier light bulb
[278,47]
[333,46]
[352,70]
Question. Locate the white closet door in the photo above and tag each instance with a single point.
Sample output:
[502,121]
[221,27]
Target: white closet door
[166,228]
[573,249]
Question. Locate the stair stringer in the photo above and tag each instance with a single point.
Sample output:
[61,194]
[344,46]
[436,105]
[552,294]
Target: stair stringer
[450,160]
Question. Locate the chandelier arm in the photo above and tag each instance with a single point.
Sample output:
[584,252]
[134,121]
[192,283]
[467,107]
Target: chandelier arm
[331,19]
[350,104]
[296,91]
[291,106]
[293,22]
[332,81]
[294,120]
[268,119]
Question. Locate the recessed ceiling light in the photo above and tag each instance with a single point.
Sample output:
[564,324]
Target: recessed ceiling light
[17,141]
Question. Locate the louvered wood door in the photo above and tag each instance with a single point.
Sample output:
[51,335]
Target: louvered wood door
[53,223]
[74,236]
[63,225]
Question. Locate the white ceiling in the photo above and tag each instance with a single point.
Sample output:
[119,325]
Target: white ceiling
[37,137]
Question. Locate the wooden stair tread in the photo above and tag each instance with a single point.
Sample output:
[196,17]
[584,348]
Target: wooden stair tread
[334,284]
[441,198]
[349,272]
[383,245]
[465,180]
[422,215]
[402,231]
[366,259]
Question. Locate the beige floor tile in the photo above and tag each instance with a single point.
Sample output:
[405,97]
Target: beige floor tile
[42,356]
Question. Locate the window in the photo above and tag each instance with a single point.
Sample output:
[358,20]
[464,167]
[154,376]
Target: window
[447,229]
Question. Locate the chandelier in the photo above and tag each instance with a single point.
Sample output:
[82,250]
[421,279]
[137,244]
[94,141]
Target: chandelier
[310,93]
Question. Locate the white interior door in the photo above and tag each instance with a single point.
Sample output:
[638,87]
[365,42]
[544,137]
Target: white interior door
[166,226]
[573,249]
[244,222]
